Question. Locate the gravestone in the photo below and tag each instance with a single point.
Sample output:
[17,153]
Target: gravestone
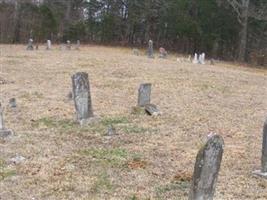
[111,130]
[12,103]
[150,50]
[48,45]
[263,172]
[30,44]
[152,110]
[195,61]
[78,45]
[206,169]
[68,45]
[144,93]
[202,59]
[162,53]
[82,97]
[3,131]
[136,52]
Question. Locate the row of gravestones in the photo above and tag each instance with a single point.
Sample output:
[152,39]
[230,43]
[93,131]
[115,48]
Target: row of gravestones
[30,45]
[198,59]
[209,157]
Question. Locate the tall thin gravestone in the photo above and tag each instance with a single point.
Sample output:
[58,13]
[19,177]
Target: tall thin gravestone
[206,169]
[48,45]
[202,59]
[82,97]
[150,50]
[30,44]
[195,61]
[144,93]
[263,171]
[3,131]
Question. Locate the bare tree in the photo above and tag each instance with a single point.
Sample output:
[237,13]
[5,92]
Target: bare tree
[245,9]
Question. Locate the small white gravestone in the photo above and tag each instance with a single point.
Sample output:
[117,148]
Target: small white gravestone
[202,59]
[195,61]
[49,45]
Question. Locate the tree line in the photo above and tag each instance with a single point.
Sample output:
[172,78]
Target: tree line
[227,29]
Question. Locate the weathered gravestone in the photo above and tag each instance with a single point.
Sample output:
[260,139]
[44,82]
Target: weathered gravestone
[30,44]
[3,131]
[144,93]
[206,169]
[12,103]
[162,53]
[195,61]
[78,45]
[150,50]
[263,171]
[82,97]
[48,45]
[152,110]
[68,45]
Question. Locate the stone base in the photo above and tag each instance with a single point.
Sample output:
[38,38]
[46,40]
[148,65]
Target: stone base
[5,133]
[260,174]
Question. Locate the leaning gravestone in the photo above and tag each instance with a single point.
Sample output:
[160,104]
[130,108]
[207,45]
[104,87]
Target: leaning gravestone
[263,171]
[30,44]
[195,61]
[206,169]
[48,45]
[150,50]
[152,110]
[82,97]
[144,93]
[3,131]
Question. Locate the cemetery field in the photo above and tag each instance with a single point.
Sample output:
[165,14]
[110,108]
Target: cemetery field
[149,157]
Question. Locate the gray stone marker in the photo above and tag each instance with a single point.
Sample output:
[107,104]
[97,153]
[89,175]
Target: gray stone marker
[150,50]
[3,131]
[206,169]
[162,53]
[48,45]
[111,130]
[136,52]
[78,45]
[152,110]
[30,44]
[144,93]
[12,103]
[263,172]
[202,59]
[82,97]
[68,45]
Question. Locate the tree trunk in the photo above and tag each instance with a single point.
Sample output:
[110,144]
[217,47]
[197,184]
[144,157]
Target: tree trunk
[244,31]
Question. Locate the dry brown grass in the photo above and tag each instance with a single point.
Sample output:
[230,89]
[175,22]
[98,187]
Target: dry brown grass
[65,161]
